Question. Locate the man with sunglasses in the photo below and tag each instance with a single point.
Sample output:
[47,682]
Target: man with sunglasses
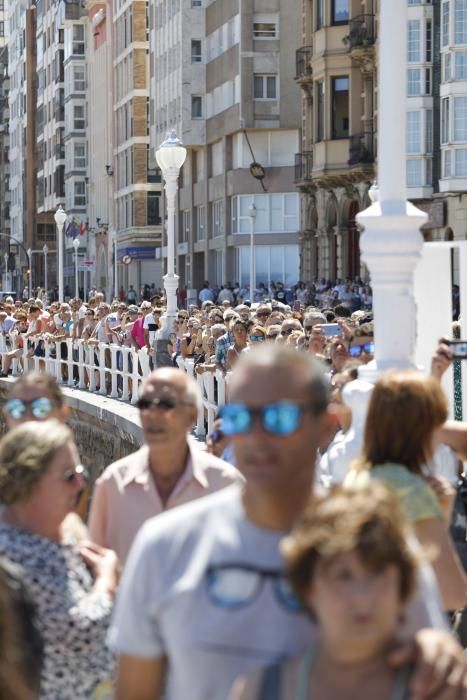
[203,595]
[168,470]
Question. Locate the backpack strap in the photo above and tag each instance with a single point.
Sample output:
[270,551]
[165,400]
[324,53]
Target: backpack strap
[271,683]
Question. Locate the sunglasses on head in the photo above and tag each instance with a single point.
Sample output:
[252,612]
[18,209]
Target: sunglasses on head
[357,350]
[165,403]
[272,336]
[40,408]
[287,331]
[280,419]
[257,338]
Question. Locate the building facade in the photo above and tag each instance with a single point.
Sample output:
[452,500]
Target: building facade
[222,77]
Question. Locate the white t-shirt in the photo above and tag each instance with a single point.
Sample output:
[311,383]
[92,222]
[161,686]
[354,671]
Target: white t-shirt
[168,601]
[151,325]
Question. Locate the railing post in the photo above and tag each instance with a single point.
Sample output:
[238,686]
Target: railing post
[102,376]
[81,361]
[113,371]
[69,361]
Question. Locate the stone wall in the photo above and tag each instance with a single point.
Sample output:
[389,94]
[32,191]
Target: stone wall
[105,430]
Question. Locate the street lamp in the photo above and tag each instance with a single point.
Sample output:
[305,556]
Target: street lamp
[76,246]
[29,252]
[60,218]
[170,157]
[252,215]
[45,250]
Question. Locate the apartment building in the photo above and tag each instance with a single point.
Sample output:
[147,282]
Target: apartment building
[222,77]
[337,70]
[5,260]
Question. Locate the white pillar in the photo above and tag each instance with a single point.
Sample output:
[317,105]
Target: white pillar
[391,243]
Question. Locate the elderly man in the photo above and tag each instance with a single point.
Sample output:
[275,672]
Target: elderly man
[168,470]
[203,594]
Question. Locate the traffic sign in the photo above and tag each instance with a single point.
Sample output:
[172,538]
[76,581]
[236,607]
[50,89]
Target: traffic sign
[126,259]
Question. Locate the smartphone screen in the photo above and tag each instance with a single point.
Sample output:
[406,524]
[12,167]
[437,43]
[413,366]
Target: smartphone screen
[459,349]
[330,329]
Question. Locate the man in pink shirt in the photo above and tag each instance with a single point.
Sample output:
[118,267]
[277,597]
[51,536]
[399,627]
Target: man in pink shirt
[170,468]
[137,332]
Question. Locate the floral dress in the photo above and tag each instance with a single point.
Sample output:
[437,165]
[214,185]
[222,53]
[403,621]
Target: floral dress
[72,617]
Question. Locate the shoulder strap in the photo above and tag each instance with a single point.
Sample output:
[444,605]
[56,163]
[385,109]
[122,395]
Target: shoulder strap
[303,685]
[271,682]
[401,686]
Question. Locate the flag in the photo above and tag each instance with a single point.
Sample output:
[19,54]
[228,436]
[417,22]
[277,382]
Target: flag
[83,228]
[72,230]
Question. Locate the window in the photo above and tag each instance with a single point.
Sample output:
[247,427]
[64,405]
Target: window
[460,119]
[78,117]
[78,40]
[414,83]
[461,65]
[428,41]
[185,226]
[320,16]
[447,67]
[196,107]
[445,24]
[79,194]
[429,131]
[79,156]
[461,162]
[217,218]
[413,41]
[264,29]
[447,167]
[320,110]
[413,132]
[340,107]
[340,11]
[265,87]
[196,55]
[272,264]
[2,29]
[79,78]
[427,81]
[153,208]
[200,223]
[445,120]
[275,213]
[460,22]
[197,3]
[414,173]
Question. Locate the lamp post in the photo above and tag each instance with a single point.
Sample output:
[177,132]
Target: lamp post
[170,157]
[45,250]
[29,252]
[76,247]
[252,215]
[391,244]
[60,218]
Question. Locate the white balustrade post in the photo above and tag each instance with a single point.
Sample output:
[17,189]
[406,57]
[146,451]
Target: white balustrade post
[102,377]
[114,371]
[391,243]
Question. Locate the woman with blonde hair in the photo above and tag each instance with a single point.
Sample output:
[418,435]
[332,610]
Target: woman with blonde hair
[405,410]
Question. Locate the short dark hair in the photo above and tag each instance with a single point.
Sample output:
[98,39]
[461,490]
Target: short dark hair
[342,311]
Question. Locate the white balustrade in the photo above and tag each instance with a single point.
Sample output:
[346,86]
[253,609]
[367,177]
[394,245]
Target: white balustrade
[111,370]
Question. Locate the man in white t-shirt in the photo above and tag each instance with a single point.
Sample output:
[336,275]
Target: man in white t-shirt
[203,595]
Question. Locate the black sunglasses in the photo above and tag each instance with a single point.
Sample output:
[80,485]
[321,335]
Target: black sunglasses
[288,331]
[272,336]
[165,403]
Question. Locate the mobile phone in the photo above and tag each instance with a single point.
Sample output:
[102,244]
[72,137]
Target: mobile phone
[459,349]
[330,329]
[297,306]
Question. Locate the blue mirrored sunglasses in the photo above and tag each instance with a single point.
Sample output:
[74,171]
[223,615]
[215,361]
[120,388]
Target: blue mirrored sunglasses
[356,350]
[40,408]
[280,419]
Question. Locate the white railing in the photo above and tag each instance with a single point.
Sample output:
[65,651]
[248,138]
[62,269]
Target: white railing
[112,370]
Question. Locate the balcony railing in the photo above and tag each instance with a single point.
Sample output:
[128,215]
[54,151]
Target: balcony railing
[303,166]
[303,58]
[362,149]
[362,32]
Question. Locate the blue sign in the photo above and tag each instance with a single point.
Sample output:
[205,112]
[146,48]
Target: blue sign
[138,253]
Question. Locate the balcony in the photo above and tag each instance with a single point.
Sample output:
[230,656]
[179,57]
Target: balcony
[362,149]
[362,35]
[303,167]
[303,69]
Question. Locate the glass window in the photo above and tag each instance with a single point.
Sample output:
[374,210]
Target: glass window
[340,107]
[320,16]
[428,41]
[79,159]
[78,40]
[460,22]
[79,78]
[340,11]
[320,110]
[217,218]
[447,67]
[153,208]
[429,131]
[413,132]
[414,173]
[196,55]
[275,213]
[413,41]
[447,164]
[461,65]
[461,162]
[80,194]
[445,111]
[265,87]
[264,30]
[196,107]
[445,24]
[460,119]
[414,83]
[78,117]
[200,223]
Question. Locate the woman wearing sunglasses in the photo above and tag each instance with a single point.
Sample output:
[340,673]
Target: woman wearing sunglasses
[405,410]
[257,335]
[351,568]
[72,585]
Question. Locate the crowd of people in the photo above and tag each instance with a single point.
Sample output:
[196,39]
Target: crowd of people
[305,551]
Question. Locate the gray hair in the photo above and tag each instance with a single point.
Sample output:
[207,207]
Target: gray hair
[218,328]
[314,317]
[25,455]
